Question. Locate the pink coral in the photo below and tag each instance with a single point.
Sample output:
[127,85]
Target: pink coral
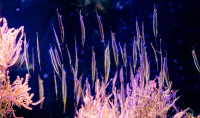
[17,92]
[9,46]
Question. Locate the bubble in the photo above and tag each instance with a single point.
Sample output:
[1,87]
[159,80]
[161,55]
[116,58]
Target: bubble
[17,9]
[45,75]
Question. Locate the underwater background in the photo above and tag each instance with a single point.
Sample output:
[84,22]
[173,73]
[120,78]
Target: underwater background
[178,27]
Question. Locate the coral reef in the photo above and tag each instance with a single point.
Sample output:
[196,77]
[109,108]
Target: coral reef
[17,92]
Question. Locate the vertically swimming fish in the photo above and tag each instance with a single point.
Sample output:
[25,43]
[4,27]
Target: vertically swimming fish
[57,57]
[165,71]
[155,23]
[121,50]
[61,27]
[161,57]
[144,63]
[131,70]
[142,68]
[82,30]
[138,35]
[75,71]
[22,60]
[70,60]
[64,88]
[38,51]
[76,58]
[134,54]
[54,63]
[114,47]
[79,91]
[41,90]
[122,91]
[55,82]
[147,68]
[143,32]
[100,27]
[93,65]
[57,41]
[195,60]
[26,56]
[124,56]
[107,62]
[155,55]
[33,59]
[161,66]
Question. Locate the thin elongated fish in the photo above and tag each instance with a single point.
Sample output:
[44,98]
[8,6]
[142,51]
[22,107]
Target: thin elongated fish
[147,68]
[76,57]
[138,35]
[57,57]
[61,26]
[75,83]
[195,60]
[122,86]
[155,55]
[100,28]
[124,55]
[131,70]
[155,23]
[125,58]
[38,51]
[33,59]
[79,90]
[55,82]
[26,57]
[82,31]
[161,64]
[142,63]
[57,41]
[121,50]
[107,63]
[53,61]
[22,60]
[143,32]
[70,60]
[93,65]
[165,71]
[64,88]
[134,54]
[75,71]
[41,90]
[114,47]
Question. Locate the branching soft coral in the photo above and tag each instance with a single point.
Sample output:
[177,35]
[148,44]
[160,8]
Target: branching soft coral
[9,46]
[17,92]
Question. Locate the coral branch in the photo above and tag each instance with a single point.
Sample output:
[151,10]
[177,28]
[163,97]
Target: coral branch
[17,92]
